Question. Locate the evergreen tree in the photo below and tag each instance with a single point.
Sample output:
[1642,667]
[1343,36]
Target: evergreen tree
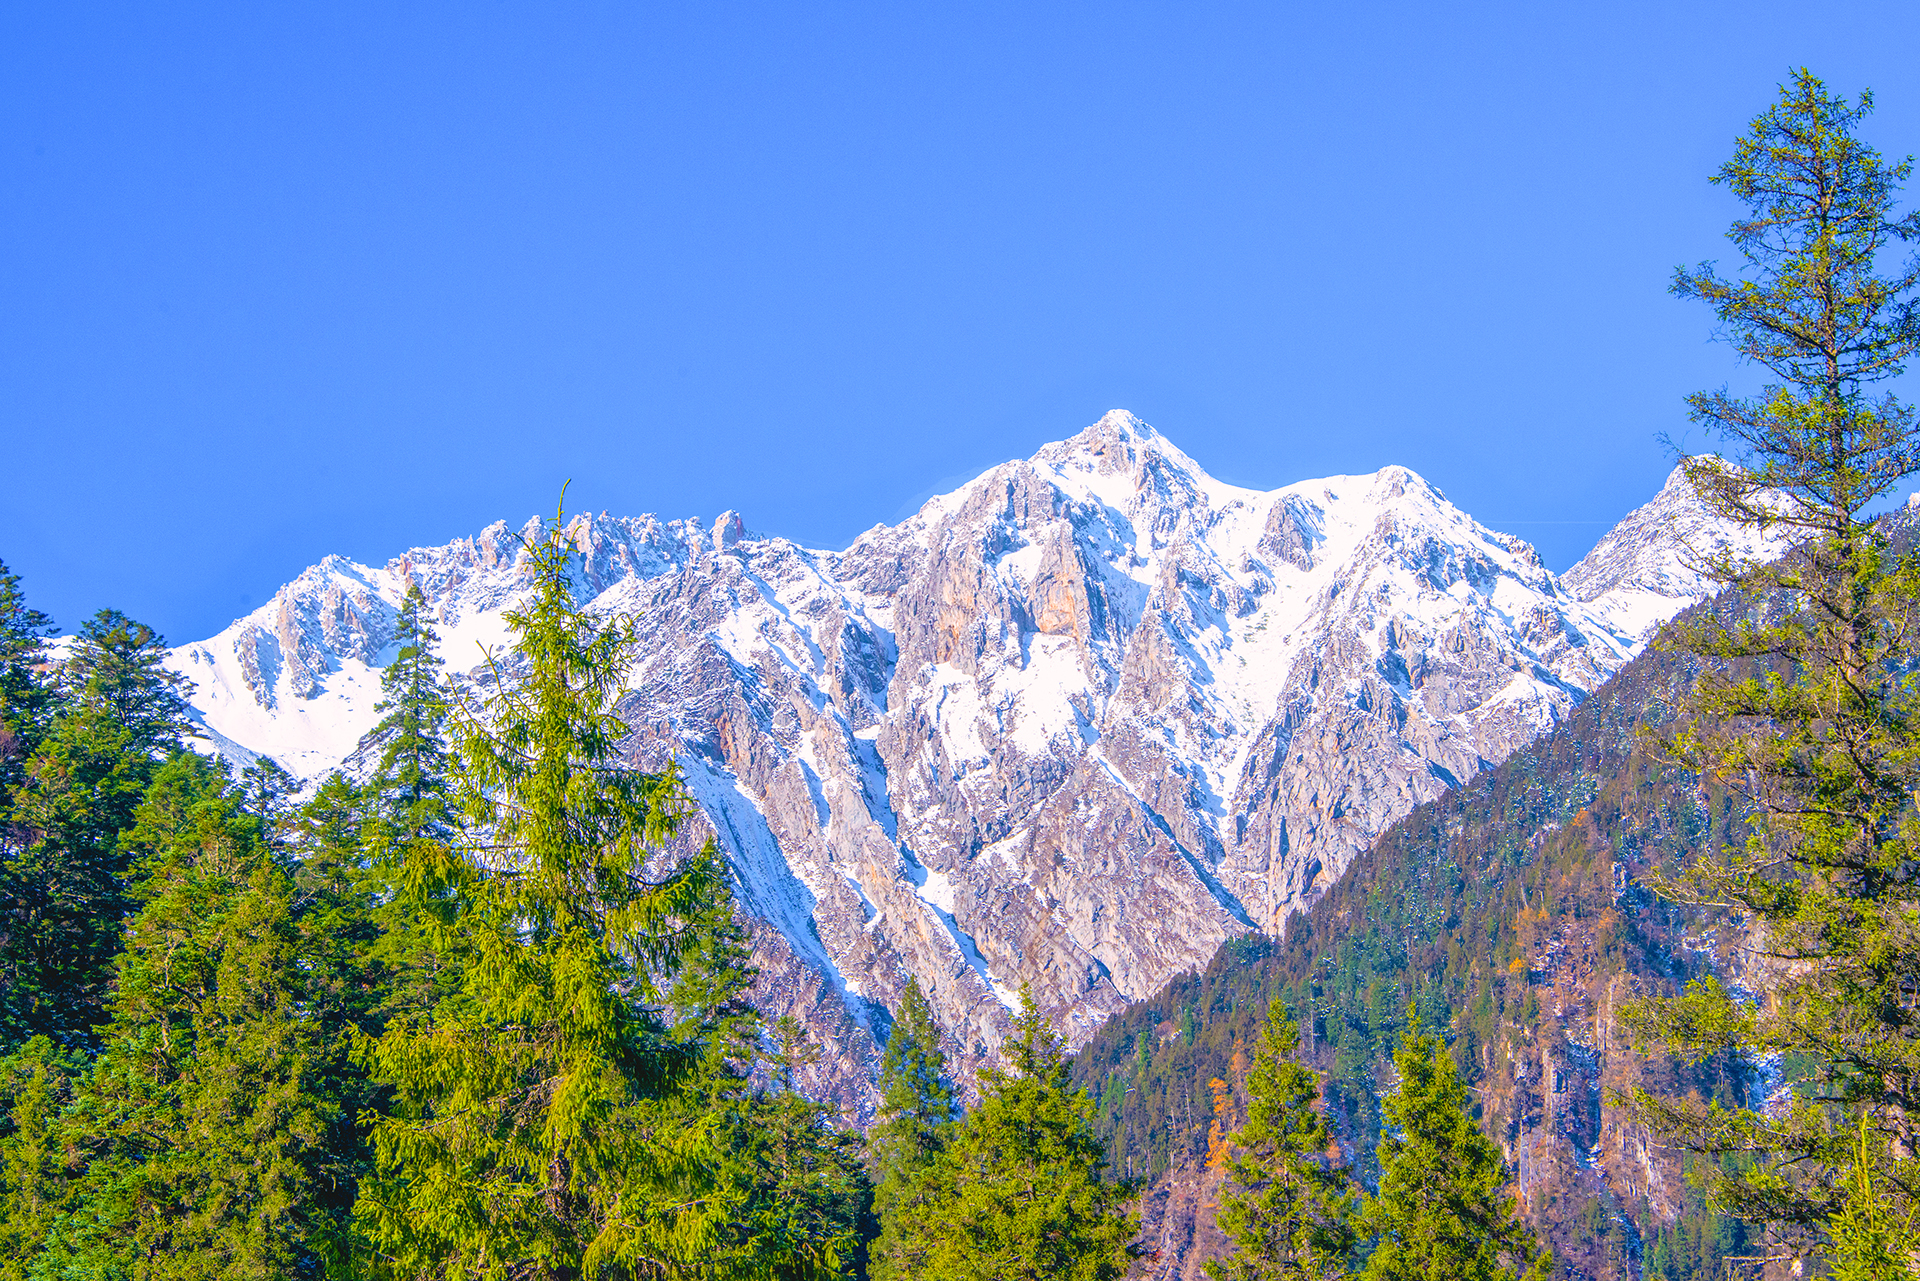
[534,1129]
[201,1129]
[36,1084]
[1292,1213]
[917,1107]
[1440,1214]
[805,1216]
[349,976]
[411,778]
[117,672]
[65,876]
[1869,1242]
[25,696]
[1017,1195]
[1807,708]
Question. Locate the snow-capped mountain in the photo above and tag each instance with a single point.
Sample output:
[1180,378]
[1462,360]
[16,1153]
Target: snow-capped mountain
[1070,725]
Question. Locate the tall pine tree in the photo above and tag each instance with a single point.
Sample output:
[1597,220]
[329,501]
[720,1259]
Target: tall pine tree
[201,1131]
[65,877]
[1808,709]
[1440,1214]
[917,1106]
[1291,1213]
[26,695]
[1018,1194]
[533,1129]
[411,777]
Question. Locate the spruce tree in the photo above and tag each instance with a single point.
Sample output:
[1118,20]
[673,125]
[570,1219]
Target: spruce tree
[200,1130]
[36,1085]
[411,778]
[1018,1194]
[349,975]
[534,1130]
[1291,1213]
[117,671]
[26,696]
[804,1215]
[1440,1214]
[917,1107]
[65,875]
[1807,706]
[1869,1240]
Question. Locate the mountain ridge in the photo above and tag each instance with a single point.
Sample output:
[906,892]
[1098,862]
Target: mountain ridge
[1072,724]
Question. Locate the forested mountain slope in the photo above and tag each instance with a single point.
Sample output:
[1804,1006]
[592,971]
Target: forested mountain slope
[1507,913]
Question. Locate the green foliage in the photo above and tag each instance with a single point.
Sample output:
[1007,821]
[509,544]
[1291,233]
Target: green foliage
[198,1139]
[25,697]
[1869,1240]
[64,878]
[117,673]
[917,1105]
[535,1127]
[1291,1214]
[911,1130]
[803,1198]
[36,1084]
[1820,730]
[1017,1195]
[1439,1214]
[411,779]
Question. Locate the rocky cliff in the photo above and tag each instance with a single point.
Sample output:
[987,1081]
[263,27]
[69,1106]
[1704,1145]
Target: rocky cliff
[1071,726]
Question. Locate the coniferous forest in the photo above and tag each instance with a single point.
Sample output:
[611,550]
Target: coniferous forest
[464,1017]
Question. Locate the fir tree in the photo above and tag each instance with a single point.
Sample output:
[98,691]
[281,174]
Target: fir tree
[117,672]
[411,778]
[917,1108]
[1808,708]
[1017,1195]
[348,979]
[1440,1214]
[202,1124]
[36,1084]
[65,876]
[1292,1213]
[804,1217]
[1869,1240]
[26,696]
[534,1129]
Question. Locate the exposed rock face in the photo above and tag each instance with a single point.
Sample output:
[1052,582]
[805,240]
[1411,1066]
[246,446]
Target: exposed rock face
[1069,726]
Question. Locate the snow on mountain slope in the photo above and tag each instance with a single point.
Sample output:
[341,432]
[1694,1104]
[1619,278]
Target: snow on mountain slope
[1070,725]
[1649,566]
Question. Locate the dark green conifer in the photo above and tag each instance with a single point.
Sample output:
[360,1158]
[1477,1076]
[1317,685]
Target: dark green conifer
[202,1127]
[36,1084]
[1440,1214]
[1017,1195]
[803,1218]
[117,671]
[411,778]
[1291,1214]
[65,875]
[916,1100]
[536,1128]
[26,696]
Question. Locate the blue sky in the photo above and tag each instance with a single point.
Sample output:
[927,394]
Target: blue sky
[293,279]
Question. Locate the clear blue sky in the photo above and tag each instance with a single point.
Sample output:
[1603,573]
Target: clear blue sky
[280,280]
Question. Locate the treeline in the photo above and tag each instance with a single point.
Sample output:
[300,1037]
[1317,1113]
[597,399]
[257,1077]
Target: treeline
[1759,781]
[452,1021]
[1447,915]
